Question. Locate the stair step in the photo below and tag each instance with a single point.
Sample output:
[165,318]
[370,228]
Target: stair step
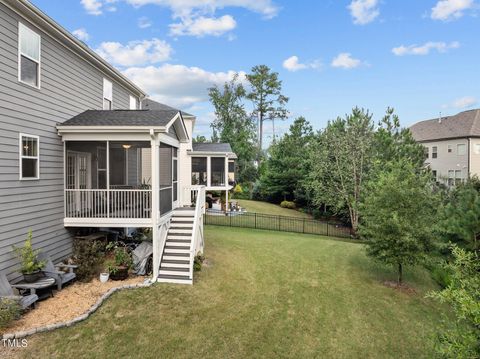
[182,225]
[177,230]
[182,220]
[174,270]
[176,240]
[166,265]
[179,234]
[173,238]
[169,278]
[176,250]
[176,256]
[175,261]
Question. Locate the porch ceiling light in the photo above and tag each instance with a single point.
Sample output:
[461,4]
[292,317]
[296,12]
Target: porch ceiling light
[126,146]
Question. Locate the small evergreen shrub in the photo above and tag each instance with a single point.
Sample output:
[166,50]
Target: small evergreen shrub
[288,204]
[88,255]
[29,262]
[9,311]
[197,262]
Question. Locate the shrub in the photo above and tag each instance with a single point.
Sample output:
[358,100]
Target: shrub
[197,262]
[9,311]
[288,204]
[88,255]
[28,257]
[441,275]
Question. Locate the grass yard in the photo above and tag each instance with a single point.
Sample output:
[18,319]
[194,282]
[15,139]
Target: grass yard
[269,208]
[262,294]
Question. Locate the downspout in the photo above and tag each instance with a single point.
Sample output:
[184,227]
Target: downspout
[154,217]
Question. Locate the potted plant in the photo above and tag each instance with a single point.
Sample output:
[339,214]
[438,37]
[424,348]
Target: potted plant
[30,266]
[120,264]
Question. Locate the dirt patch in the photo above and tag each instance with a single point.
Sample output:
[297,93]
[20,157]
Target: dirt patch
[67,304]
[400,287]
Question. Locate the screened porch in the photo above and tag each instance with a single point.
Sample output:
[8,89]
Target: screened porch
[113,180]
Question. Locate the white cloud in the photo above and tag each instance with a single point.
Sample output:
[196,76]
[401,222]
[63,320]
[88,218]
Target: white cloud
[465,102]
[135,53]
[186,8]
[364,11]
[202,26]
[96,7]
[345,60]
[293,64]
[178,85]
[425,48]
[144,22]
[81,34]
[450,9]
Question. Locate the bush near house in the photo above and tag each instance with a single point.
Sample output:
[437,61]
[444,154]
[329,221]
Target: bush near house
[89,256]
[9,311]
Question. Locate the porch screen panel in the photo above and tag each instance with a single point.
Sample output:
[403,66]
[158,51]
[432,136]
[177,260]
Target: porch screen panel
[166,179]
[218,171]
[199,171]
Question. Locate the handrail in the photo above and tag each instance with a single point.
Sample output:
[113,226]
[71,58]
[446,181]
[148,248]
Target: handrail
[196,244]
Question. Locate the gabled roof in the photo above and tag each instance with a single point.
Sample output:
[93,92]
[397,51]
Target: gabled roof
[149,104]
[155,118]
[462,125]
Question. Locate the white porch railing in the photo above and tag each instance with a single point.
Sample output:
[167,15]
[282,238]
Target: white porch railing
[197,193]
[108,203]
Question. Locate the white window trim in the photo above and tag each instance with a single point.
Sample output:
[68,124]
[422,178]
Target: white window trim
[21,156]
[39,62]
[110,97]
[133,101]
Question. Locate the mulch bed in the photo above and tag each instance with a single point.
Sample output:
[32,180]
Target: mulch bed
[67,304]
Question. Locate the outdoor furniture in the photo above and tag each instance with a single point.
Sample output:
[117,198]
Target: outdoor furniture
[36,288]
[140,256]
[52,271]
[6,291]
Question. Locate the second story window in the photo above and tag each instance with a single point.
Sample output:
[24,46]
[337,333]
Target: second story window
[133,103]
[461,149]
[477,148]
[107,94]
[426,152]
[449,148]
[434,152]
[29,157]
[28,56]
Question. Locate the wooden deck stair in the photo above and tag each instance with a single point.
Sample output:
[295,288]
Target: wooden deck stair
[175,265]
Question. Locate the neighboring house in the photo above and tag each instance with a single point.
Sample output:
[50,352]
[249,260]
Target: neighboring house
[452,145]
[80,146]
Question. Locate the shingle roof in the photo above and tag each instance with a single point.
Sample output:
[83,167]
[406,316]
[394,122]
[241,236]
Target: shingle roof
[149,104]
[212,147]
[122,118]
[464,124]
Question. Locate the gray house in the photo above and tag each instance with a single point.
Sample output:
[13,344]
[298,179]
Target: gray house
[452,145]
[80,146]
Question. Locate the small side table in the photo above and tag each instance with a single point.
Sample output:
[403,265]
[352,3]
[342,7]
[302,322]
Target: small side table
[39,284]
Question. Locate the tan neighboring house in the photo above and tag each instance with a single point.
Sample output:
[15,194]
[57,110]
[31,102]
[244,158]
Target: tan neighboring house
[452,145]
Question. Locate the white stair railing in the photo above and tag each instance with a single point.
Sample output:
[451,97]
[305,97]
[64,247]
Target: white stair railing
[197,242]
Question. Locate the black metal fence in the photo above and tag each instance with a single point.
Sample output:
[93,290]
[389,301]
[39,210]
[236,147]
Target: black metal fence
[277,223]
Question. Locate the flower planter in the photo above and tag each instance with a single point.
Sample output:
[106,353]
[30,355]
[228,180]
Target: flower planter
[121,273]
[104,277]
[32,277]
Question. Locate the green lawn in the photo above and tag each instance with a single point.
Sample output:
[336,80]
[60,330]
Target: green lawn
[262,294]
[269,208]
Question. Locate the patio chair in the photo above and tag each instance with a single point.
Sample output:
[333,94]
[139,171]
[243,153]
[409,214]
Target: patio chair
[52,271]
[6,292]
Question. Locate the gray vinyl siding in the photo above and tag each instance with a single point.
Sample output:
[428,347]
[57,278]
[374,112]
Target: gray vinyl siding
[69,86]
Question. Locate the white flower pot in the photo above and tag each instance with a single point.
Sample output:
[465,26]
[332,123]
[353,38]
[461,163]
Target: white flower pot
[104,277]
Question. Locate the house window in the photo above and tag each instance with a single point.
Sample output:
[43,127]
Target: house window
[28,56]
[458,177]
[434,174]
[426,150]
[451,177]
[133,103]
[434,151]
[107,94]
[461,149]
[29,157]
[449,148]
[477,148]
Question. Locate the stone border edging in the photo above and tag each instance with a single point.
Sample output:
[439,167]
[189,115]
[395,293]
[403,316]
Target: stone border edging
[80,318]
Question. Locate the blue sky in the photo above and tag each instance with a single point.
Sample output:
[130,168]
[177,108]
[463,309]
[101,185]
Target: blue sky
[421,57]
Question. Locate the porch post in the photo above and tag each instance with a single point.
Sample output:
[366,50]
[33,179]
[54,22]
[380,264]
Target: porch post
[226,182]
[155,203]
[108,178]
[209,172]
